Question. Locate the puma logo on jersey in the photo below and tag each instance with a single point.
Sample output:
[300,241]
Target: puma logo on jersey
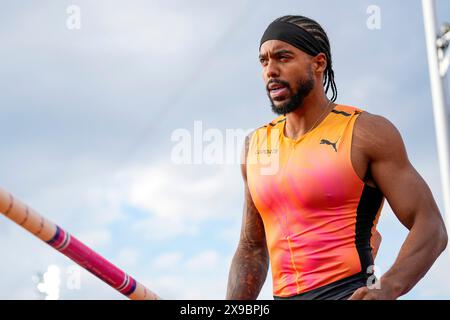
[333,144]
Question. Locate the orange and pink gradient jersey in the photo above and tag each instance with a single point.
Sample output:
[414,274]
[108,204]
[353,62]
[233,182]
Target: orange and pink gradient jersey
[318,214]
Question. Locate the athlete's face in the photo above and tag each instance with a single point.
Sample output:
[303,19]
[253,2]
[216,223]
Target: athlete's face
[288,75]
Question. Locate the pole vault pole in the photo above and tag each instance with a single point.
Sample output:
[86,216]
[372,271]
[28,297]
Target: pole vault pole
[438,65]
[68,245]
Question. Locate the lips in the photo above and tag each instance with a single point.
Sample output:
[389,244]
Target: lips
[277,90]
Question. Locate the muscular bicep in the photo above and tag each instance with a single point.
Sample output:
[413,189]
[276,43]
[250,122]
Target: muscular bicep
[405,190]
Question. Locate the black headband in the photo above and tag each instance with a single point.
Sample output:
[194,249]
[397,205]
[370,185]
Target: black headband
[292,34]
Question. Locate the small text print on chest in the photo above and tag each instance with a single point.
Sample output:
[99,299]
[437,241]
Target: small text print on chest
[267,151]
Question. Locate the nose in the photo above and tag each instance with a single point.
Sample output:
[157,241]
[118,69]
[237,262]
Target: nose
[272,70]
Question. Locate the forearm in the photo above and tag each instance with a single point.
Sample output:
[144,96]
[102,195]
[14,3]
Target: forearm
[375,242]
[248,272]
[424,243]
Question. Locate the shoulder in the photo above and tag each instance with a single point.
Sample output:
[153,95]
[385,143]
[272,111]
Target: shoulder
[275,122]
[369,122]
[377,136]
[265,130]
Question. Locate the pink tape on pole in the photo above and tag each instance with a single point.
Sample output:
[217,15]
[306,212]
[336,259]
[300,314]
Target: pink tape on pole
[93,262]
[71,247]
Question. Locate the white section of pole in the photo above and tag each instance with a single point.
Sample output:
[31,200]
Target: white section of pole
[439,102]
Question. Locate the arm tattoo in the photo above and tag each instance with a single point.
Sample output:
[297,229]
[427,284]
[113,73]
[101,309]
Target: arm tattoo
[249,266]
[251,261]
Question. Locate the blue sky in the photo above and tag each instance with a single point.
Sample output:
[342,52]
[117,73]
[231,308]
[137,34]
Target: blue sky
[88,116]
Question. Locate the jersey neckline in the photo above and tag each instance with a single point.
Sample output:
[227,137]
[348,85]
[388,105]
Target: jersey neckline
[296,140]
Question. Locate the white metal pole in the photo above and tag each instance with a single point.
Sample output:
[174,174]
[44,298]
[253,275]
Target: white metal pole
[439,102]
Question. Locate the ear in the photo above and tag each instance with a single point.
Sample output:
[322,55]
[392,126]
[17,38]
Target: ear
[319,63]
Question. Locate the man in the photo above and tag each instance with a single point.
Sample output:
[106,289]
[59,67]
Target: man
[329,169]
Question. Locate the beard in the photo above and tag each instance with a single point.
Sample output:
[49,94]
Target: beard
[296,101]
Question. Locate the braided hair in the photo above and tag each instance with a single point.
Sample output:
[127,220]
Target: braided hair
[320,35]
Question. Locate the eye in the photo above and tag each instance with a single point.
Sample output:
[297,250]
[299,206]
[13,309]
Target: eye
[283,58]
[262,60]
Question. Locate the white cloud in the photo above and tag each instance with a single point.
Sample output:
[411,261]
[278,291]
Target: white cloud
[178,198]
[160,229]
[95,238]
[127,257]
[167,261]
[169,287]
[231,234]
[203,261]
[180,192]
[200,276]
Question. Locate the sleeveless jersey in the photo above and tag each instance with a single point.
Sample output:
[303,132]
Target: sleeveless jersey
[318,214]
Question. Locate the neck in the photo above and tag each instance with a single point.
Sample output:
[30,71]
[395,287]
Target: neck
[310,114]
